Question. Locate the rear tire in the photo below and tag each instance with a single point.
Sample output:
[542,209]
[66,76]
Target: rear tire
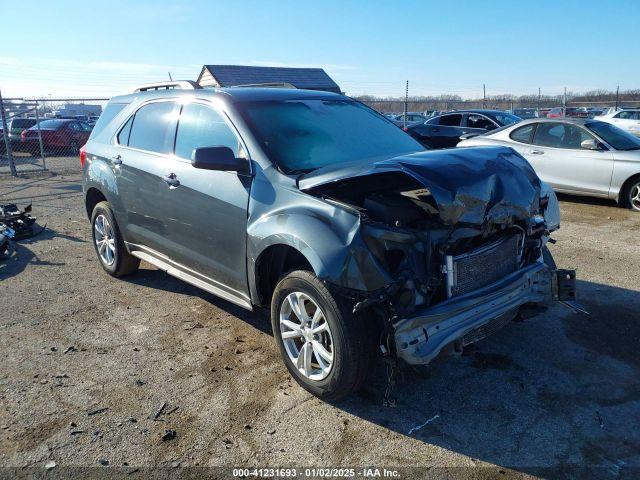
[107,241]
[345,336]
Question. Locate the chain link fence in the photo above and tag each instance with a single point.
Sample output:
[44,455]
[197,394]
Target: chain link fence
[37,133]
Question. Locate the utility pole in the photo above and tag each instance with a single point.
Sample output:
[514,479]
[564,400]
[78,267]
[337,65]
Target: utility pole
[564,103]
[617,96]
[406,99]
[484,96]
[170,79]
[539,94]
[5,134]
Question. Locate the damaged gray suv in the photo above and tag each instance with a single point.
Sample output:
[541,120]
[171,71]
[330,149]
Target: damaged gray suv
[314,206]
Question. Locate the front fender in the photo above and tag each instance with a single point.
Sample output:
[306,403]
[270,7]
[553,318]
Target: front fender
[328,237]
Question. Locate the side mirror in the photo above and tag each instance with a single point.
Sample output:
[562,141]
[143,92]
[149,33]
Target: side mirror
[590,144]
[218,158]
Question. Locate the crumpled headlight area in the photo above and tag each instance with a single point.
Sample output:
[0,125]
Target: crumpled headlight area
[552,212]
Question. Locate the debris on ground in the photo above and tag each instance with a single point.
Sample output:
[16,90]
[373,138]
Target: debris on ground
[15,224]
[96,412]
[49,465]
[168,435]
[418,427]
[156,415]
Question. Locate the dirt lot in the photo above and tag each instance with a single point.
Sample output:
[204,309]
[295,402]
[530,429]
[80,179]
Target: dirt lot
[87,361]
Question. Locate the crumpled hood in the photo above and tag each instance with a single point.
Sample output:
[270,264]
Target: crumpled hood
[475,185]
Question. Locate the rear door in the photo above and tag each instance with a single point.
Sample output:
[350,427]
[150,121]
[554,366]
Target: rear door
[141,166]
[440,132]
[565,165]
[207,220]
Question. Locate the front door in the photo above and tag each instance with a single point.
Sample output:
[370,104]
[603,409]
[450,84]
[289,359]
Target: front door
[559,159]
[207,217]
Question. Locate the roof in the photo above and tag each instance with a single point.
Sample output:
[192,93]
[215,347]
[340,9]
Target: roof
[574,120]
[243,94]
[305,78]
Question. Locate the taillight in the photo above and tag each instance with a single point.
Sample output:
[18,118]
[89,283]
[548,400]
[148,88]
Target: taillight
[405,129]
[83,155]
[23,135]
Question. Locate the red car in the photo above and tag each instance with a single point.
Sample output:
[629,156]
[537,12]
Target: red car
[59,135]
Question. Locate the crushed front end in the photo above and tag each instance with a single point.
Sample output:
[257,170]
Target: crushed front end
[451,245]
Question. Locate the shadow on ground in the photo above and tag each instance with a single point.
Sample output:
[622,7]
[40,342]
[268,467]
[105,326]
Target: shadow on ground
[547,396]
[24,256]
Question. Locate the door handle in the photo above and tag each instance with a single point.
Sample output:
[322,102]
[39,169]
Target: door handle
[172,180]
[117,160]
[537,152]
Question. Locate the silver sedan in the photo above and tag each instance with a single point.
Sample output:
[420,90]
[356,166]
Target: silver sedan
[577,156]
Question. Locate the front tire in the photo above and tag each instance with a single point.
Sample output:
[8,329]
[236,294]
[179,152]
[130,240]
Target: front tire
[631,195]
[326,348]
[107,241]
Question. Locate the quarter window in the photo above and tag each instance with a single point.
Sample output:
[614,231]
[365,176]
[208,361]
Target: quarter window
[153,127]
[451,120]
[522,134]
[201,126]
[123,135]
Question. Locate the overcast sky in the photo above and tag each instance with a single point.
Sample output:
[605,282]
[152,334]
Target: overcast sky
[84,48]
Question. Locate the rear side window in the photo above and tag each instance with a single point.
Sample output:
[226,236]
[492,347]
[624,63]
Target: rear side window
[105,118]
[451,120]
[201,126]
[479,121]
[522,134]
[154,127]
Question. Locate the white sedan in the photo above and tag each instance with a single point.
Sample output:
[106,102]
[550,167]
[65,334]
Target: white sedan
[628,120]
[575,155]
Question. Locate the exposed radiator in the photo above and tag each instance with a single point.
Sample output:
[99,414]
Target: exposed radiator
[488,264]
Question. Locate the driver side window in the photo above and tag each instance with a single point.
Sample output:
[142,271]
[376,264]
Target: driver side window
[559,135]
[201,126]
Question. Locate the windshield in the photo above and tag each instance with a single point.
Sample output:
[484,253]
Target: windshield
[51,124]
[303,135]
[617,138]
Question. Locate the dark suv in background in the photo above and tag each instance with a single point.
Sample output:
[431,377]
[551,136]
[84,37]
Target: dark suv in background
[444,131]
[322,211]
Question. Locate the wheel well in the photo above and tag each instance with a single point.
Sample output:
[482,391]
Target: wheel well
[93,197]
[625,185]
[272,264]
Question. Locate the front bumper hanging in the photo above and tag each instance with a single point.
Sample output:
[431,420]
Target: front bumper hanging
[473,316]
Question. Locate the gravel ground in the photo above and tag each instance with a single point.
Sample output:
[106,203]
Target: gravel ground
[88,361]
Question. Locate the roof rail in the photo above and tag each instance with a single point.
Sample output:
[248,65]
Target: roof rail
[267,85]
[176,84]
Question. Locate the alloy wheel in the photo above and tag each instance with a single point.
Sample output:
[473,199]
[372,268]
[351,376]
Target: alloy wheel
[634,196]
[306,336]
[105,240]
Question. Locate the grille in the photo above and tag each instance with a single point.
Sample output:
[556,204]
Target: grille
[483,266]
